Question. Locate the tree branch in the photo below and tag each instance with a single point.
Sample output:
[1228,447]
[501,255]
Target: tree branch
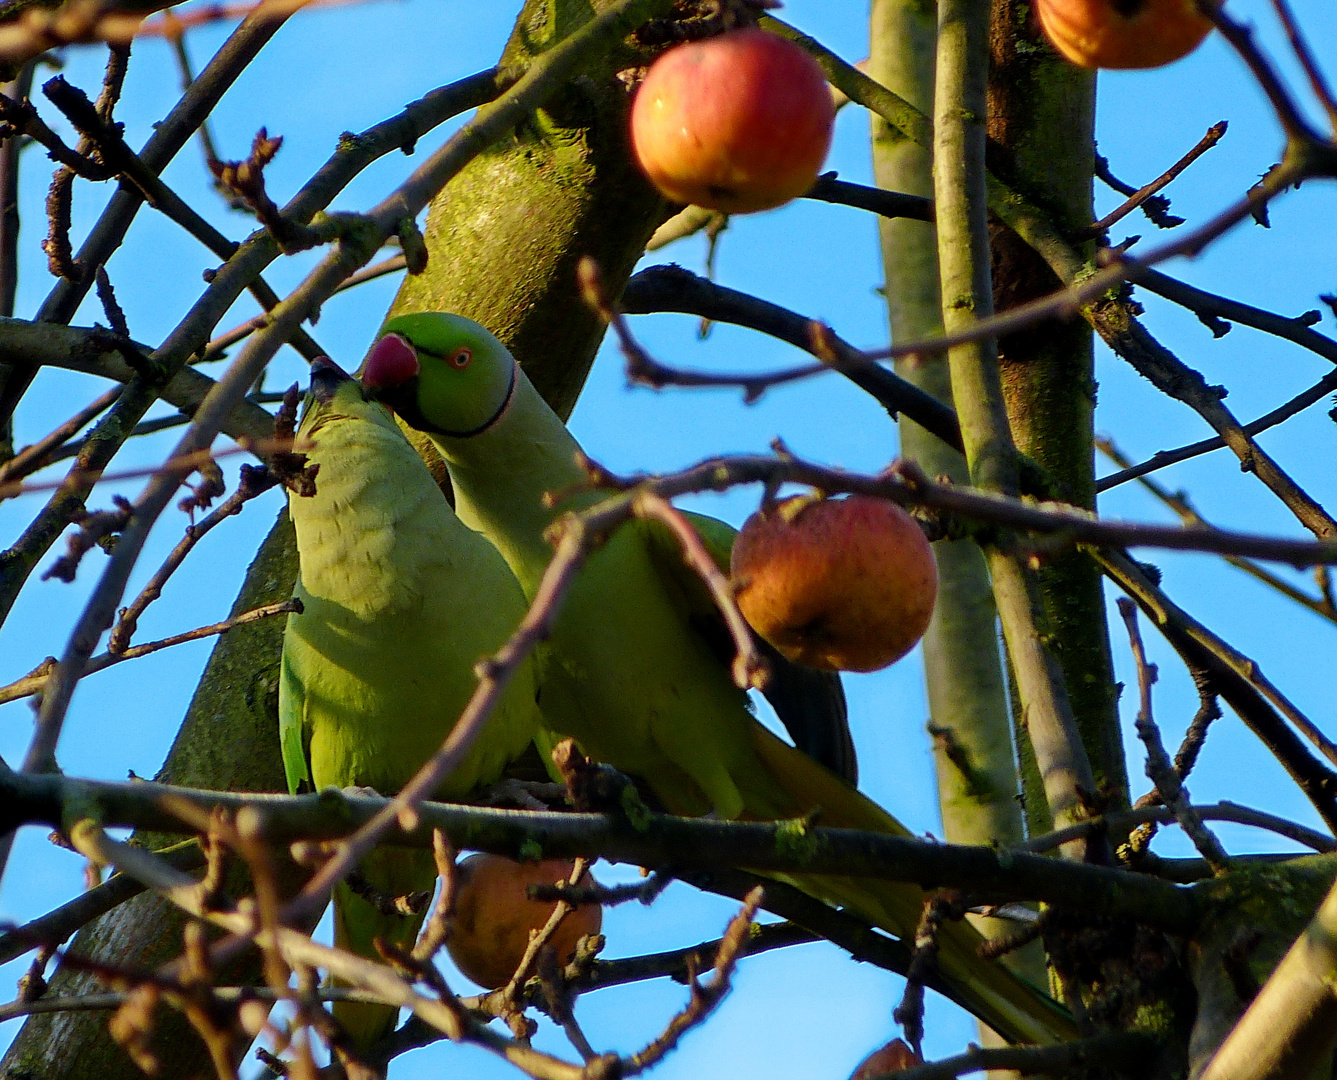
[672,288]
[656,840]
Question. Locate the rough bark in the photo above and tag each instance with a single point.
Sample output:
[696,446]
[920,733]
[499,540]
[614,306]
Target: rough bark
[503,242]
[1041,142]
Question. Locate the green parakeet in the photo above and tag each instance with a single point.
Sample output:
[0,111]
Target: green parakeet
[400,601]
[624,672]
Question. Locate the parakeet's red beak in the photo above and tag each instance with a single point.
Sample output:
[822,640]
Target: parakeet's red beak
[391,362]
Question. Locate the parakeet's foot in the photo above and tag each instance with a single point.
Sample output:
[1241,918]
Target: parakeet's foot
[525,794]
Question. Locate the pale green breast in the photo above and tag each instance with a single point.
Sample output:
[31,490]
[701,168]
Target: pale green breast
[400,601]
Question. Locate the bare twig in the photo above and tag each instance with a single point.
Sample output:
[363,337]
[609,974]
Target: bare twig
[254,482]
[1179,503]
[1236,678]
[1305,55]
[671,288]
[10,154]
[217,347]
[910,1012]
[1297,129]
[1119,822]
[749,667]
[1159,769]
[644,892]
[436,931]
[704,997]
[1163,458]
[57,925]
[180,467]
[1141,195]
[1209,306]
[99,527]
[39,454]
[35,682]
[511,992]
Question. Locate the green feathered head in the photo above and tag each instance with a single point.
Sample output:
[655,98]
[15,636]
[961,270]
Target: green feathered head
[442,373]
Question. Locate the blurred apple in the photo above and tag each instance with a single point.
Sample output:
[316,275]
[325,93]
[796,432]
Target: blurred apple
[836,583]
[738,122]
[1123,33]
[494,916]
[889,1059]
[892,1057]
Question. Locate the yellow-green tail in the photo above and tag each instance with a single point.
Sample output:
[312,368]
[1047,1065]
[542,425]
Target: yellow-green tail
[1011,1006]
[357,923]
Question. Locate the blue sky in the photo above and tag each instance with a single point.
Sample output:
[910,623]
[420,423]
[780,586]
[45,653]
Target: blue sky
[808,1011]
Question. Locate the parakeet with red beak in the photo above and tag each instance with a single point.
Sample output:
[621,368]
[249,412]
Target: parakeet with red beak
[627,671]
[399,601]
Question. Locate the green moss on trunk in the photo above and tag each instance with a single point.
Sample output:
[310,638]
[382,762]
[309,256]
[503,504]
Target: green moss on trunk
[1041,131]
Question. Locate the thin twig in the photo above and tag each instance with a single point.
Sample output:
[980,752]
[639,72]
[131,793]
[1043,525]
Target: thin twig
[749,667]
[1163,458]
[436,931]
[644,892]
[35,682]
[1305,55]
[1120,822]
[1142,194]
[180,467]
[1159,769]
[1179,503]
[10,156]
[704,997]
[217,347]
[253,483]
[41,453]
[1240,36]
[1236,678]
[672,288]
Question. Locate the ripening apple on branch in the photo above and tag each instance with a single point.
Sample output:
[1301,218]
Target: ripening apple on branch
[739,122]
[494,916]
[1123,33]
[845,584]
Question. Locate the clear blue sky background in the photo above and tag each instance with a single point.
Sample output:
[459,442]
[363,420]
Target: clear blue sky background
[810,1011]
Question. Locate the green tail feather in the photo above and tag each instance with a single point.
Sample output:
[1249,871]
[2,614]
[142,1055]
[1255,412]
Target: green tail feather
[1011,1006]
[357,923]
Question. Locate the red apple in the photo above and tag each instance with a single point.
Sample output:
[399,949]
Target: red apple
[738,122]
[889,1059]
[494,916]
[836,583]
[1123,33]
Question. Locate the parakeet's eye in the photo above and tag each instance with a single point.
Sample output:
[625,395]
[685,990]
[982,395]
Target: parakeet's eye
[461,359]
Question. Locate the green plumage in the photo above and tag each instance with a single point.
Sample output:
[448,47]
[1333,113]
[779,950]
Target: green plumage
[625,672]
[400,601]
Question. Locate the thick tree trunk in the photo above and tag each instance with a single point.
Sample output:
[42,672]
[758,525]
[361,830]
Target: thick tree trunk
[503,240]
[1041,131]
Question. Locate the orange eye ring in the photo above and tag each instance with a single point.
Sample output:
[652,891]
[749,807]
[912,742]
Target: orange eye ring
[461,359]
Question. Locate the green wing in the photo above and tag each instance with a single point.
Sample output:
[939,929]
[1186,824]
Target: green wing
[292,737]
[810,703]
